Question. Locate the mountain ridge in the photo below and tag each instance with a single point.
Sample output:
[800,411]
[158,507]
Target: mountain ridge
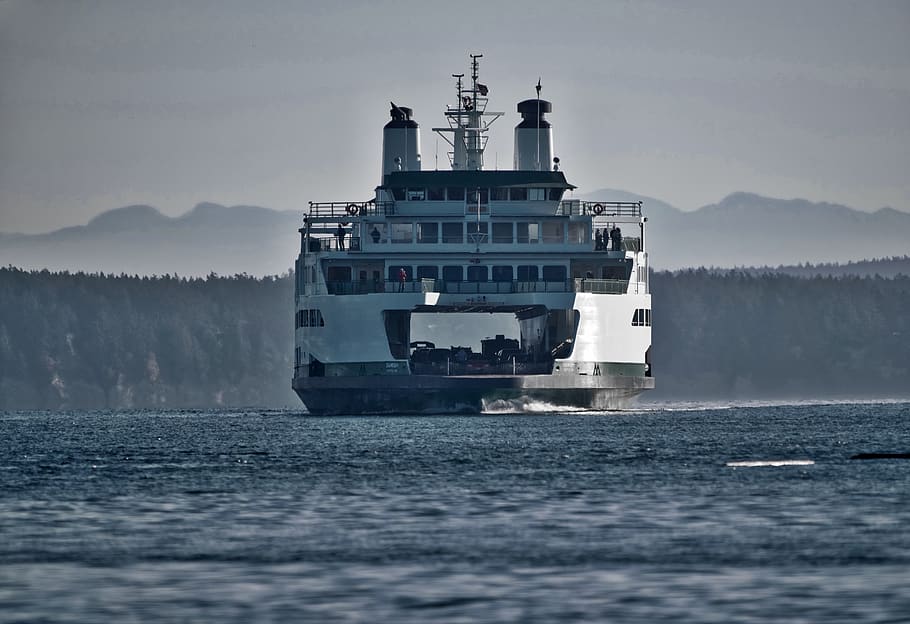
[742,229]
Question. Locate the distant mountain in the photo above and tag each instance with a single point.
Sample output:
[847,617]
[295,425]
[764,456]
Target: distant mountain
[741,230]
[745,229]
[141,240]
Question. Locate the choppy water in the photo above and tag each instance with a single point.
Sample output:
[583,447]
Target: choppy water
[647,516]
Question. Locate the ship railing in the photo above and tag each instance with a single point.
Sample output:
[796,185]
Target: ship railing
[601,286]
[575,207]
[354,243]
[351,243]
[629,243]
[454,367]
[341,211]
[422,286]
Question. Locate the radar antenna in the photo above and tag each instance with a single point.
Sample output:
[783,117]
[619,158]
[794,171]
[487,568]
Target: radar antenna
[468,121]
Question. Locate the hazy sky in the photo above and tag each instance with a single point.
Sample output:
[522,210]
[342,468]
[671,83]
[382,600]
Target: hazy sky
[104,104]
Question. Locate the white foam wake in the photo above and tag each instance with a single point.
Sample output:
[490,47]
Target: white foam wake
[771,462]
[524,405]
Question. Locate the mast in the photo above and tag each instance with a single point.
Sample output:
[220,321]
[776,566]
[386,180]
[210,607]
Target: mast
[538,125]
[468,121]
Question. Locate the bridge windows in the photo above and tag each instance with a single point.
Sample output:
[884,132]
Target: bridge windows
[548,231]
[553,232]
[453,233]
[578,233]
[474,194]
[499,194]
[477,232]
[427,232]
[502,232]
[527,232]
[402,232]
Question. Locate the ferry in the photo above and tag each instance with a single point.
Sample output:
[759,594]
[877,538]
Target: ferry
[463,246]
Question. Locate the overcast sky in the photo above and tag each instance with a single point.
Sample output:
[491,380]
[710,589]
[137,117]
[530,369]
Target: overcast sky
[105,104]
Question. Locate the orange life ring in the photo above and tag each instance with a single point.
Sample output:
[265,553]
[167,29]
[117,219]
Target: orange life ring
[352,209]
[598,209]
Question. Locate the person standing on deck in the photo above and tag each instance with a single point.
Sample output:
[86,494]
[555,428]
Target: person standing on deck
[402,278]
[339,234]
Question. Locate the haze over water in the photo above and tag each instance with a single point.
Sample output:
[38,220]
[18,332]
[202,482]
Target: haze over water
[237,516]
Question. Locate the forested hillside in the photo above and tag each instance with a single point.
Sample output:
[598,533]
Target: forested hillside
[741,335]
[77,340]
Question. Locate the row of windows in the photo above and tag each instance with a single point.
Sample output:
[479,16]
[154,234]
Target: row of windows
[310,318]
[499,232]
[481,273]
[641,318]
[475,195]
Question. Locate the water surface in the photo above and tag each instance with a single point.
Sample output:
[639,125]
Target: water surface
[744,514]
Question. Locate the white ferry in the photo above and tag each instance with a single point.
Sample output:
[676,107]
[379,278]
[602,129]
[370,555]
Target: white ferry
[468,245]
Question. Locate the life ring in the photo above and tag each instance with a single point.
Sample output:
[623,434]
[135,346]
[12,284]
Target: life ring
[598,209]
[352,209]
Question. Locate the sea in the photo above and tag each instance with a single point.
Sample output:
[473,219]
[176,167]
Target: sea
[750,512]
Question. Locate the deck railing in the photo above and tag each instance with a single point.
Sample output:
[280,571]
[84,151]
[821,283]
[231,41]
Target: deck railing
[566,207]
[569,207]
[364,287]
[349,210]
[324,242]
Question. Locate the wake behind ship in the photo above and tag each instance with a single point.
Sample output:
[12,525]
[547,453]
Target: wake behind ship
[460,242]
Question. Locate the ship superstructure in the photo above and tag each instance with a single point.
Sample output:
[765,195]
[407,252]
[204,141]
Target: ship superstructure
[464,241]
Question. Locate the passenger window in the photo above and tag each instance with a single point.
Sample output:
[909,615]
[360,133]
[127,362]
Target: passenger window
[427,272]
[452,273]
[502,273]
[453,233]
[554,273]
[477,273]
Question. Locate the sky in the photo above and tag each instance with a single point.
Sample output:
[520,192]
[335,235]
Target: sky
[273,103]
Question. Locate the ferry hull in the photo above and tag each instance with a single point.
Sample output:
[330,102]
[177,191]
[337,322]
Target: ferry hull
[427,394]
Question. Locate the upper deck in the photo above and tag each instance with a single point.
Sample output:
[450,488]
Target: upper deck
[498,219]
[468,230]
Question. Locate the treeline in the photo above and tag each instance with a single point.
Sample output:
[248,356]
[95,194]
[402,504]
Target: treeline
[94,341]
[734,334]
[895,266]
